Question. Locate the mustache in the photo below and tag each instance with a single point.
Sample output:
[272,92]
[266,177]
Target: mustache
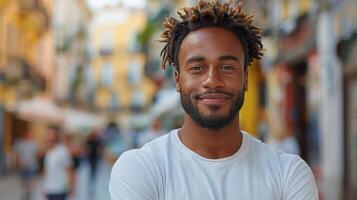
[216,91]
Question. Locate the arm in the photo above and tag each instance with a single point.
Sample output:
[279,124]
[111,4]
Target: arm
[72,180]
[132,178]
[300,183]
[67,162]
[18,160]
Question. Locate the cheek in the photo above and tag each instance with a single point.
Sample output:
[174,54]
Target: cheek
[188,84]
[235,83]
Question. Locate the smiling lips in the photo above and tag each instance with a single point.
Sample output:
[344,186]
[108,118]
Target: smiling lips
[214,99]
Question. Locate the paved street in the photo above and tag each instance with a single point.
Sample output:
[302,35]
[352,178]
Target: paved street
[10,186]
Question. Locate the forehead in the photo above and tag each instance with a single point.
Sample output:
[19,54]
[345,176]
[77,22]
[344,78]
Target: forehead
[211,41]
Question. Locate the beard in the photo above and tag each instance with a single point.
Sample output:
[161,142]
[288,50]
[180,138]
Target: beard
[212,120]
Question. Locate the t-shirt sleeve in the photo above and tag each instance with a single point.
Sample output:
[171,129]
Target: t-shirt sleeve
[66,158]
[132,178]
[300,183]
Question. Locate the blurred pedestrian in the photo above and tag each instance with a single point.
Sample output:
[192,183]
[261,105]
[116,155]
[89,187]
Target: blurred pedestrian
[153,132]
[94,151]
[110,133]
[209,157]
[114,141]
[74,149]
[26,151]
[58,168]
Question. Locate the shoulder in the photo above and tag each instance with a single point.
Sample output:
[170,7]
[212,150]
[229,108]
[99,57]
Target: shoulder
[287,162]
[146,155]
[136,174]
[131,158]
[295,176]
[268,152]
[271,154]
[297,180]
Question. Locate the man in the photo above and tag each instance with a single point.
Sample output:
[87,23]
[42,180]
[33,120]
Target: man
[58,168]
[209,157]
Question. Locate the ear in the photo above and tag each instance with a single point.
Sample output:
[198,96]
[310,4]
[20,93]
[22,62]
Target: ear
[177,80]
[245,86]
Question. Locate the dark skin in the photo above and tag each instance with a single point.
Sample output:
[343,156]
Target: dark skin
[211,59]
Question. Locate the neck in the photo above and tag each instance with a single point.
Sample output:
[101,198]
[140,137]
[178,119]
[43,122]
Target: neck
[211,143]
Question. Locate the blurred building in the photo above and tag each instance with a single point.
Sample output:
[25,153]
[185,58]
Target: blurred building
[346,51]
[117,64]
[24,27]
[43,52]
[165,103]
[70,29]
[304,84]
[301,88]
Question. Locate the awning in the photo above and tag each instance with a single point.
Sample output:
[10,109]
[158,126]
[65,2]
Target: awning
[83,122]
[40,109]
[168,101]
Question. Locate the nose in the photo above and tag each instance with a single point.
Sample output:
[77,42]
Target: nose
[213,79]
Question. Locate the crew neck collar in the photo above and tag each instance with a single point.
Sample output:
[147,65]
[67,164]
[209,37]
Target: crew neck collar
[191,153]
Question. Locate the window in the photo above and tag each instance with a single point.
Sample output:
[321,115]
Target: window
[107,75]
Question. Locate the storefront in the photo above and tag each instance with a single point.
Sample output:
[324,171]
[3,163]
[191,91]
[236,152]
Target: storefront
[350,133]
[11,129]
[2,152]
[288,88]
[347,49]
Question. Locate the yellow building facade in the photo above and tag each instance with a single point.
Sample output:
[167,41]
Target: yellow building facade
[118,67]
[251,111]
[23,27]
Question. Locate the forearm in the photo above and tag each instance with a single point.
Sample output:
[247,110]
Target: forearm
[72,179]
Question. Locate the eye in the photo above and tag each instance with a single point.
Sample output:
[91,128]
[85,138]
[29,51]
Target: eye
[197,68]
[227,68]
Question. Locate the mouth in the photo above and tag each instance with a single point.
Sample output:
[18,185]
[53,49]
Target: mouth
[214,99]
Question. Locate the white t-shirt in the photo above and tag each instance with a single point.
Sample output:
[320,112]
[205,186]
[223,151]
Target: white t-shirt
[57,162]
[166,169]
[26,151]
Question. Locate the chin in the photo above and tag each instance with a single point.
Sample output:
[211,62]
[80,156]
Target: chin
[214,112]
[213,123]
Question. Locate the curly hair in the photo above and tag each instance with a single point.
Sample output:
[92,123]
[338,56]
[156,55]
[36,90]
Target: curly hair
[210,14]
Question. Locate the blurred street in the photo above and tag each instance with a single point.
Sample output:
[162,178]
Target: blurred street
[10,185]
[81,82]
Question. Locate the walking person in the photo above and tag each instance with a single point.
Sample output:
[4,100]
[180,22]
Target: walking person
[211,46]
[59,176]
[26,151]
[94,152]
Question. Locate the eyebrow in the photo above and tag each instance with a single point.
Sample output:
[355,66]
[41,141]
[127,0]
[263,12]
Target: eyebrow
[195,59]
[201,58]
[228,57]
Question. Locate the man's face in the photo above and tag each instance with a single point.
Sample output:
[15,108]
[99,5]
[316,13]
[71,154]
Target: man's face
[212,80]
